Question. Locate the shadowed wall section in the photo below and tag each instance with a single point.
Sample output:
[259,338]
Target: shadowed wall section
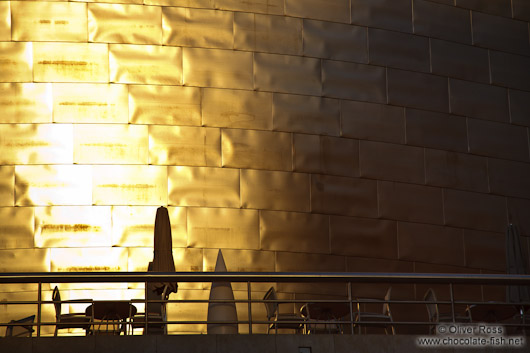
[296,135]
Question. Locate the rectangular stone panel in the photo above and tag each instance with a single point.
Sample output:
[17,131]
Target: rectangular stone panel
[217,68]
[237,109]
[270,190]
[391,162]
[500,33]
[459,61]
[336,41]
[400,50]
[497,7]
[418,90]
[475,211]
[184,145]
[442,21]
[202,186]
[431,244]
[485,250]
[509,178]
[25,102]
[275,7]
[456,170]
[408,202]
[16,260]
[271,34]
[388,14]
[520,107]
[5,21]
[36,143]
[510,70]
[521,9]
[90,103]
[111,144]
[122,23]
[223,228]
[146,64]
[372,237]
[129,185]
[103,259]
[328,10]
[70,62]
[198,27]
[49,21]
[354,81]
[306,114]
[343,196]
[326,155]
[53,185]
[72,226]
[295,232]
[436,130]
[256,149]
[369,121]
[7,185]
[164,105]
[479,101]
[287,74]
[498,140]
[133,226]
[17,226]
[16,61]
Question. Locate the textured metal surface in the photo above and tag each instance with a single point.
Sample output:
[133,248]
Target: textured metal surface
[18,226]
[26,102]
[16,260]
[7,185]
[5,20]
[16,62]
[88,259]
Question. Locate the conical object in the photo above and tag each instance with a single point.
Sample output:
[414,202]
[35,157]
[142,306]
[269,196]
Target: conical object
[221,313]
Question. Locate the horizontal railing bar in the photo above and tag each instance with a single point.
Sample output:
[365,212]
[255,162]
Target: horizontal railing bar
[337,277]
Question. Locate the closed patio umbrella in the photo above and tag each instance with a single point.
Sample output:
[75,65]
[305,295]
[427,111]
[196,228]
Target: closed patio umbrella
[515,264]
[163,250]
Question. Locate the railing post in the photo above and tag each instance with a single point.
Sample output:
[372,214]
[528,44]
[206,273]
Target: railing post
[452,302]
[351,307]
[39,306]
[249,308]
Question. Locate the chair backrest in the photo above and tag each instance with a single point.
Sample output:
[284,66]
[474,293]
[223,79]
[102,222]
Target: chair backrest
[56,297]
[386,306]
[431,304]
[21,329]
[271,307]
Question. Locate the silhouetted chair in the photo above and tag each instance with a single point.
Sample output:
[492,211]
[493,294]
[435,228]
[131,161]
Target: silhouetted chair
[323,323]
[435,316]
[156,312]
[279,320]
[374,319]
[66,321]
[21,328]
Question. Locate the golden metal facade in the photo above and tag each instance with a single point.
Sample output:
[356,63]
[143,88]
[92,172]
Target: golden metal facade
[286,132]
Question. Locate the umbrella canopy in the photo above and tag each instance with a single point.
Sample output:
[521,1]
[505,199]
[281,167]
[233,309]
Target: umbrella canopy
[515,264]
[163,249]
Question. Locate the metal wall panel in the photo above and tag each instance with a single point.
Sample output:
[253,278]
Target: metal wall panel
[90,103]
[111,144]
[198,28]
[300,262]
[485,250]
[388,14]
[184,3]
[240,261]
[271,34]
[521,9]
[237,109]
[519,107]
[442,21]
[129,185]
[134,226]
[25,102]
[17,225]
[53,185]
[288,74]
[36,143]
[49,21]
[329,10]
[509,178]
[256,149]
[88,260]
[313,115]
[16,62]
[70,62]
[184,145]
[217,68]
[223,228]
[5,21]
[343,196]
[25,260]
[295,232]
[275,190]
[202,186]
[166,105]
[72,226]
[335,41]
[145,64]
[510,70]
[354,81]
[7,185]
[106,23]
[273,7]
